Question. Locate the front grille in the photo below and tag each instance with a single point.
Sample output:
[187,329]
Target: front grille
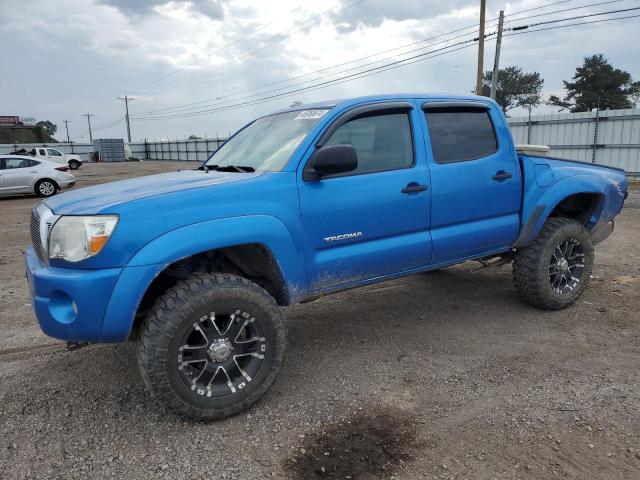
[35,234]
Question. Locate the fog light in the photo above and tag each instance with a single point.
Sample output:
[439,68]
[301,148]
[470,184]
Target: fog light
[62,308]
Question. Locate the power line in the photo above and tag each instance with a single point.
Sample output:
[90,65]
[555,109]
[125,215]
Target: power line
[326,83]
[301,27]
[103,126]
[521,27]
[572,25]
[218,99]
[377,70]
[562,10]
[317,78]
[205,109]
[315,71]
[237,40]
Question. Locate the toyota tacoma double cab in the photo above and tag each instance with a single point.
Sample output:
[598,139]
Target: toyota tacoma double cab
[194,264]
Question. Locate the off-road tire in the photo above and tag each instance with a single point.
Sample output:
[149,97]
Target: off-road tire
[531,275]
[178,309]
[41,191]
[74,165]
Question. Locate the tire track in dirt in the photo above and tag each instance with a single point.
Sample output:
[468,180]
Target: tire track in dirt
[9,354]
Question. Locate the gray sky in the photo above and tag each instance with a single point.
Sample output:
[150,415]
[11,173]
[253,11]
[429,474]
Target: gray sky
[63,58]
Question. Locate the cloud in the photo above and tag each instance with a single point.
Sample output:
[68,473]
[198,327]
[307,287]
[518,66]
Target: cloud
[214,9]
[70,57]
[374,12]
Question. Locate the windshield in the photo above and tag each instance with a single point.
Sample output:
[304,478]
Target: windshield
[266,144]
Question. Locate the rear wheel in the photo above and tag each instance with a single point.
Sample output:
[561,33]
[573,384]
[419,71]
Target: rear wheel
[211,346]
[46,187]
[555,269]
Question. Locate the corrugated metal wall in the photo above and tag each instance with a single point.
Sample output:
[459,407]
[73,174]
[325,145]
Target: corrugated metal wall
[181,150]
[572,135]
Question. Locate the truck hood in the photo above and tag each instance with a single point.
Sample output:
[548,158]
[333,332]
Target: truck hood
[93,200]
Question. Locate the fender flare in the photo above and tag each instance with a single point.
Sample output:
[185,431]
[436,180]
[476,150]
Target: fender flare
[543,203]
[183,242]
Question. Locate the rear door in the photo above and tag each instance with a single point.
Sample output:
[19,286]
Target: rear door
[366,223]
[475,176]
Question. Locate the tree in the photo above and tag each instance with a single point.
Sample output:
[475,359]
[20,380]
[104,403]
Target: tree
[515,88]
[193,136]
[596,81]
[50,127]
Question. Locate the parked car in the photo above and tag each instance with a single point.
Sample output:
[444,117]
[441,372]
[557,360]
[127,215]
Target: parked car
[53,155]
[24,174]
[298,204]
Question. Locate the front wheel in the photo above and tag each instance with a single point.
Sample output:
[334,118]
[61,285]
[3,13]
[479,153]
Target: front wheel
[211,346]
[74,164]
[554,270]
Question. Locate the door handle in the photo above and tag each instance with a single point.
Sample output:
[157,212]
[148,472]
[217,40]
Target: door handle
[502,175]
[414,188]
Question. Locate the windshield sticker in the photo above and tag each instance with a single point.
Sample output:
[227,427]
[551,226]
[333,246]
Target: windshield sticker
[310,114]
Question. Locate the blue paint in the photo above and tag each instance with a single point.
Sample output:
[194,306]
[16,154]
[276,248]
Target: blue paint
[464,213]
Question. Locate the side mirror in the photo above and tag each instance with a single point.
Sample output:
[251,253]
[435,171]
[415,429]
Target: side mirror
[331,160]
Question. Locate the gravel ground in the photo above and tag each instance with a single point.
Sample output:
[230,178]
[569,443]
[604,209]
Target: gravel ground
[439,375]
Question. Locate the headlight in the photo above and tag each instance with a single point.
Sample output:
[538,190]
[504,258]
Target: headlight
[76,238]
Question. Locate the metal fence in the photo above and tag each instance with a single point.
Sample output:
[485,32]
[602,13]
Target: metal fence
[180,150]
[609,137]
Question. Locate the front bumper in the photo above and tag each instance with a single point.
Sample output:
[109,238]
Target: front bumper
[81,305]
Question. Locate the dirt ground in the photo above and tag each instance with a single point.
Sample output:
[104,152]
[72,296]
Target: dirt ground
[443,375]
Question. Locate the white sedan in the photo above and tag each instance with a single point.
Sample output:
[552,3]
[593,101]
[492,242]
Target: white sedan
[21,174]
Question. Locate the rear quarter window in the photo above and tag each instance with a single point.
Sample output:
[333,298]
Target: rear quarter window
[461,135]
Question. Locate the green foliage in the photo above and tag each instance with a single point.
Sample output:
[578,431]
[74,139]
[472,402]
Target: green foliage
[193,136]
[49,126]
[515,88]
[597,81]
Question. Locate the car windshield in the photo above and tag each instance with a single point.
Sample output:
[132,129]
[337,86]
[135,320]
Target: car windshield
[267,144]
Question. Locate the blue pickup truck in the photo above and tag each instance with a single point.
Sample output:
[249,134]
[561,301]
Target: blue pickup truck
[307,201]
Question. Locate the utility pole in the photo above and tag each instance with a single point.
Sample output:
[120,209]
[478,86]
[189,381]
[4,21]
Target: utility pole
[66,124]
[483,7]
[127,99]
[496,59]
[88,115]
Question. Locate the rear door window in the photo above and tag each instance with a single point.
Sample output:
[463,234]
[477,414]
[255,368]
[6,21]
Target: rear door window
[460,134]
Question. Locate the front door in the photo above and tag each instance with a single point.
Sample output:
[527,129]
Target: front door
[55,156]
[476,181]
[373,221]
[18,174]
